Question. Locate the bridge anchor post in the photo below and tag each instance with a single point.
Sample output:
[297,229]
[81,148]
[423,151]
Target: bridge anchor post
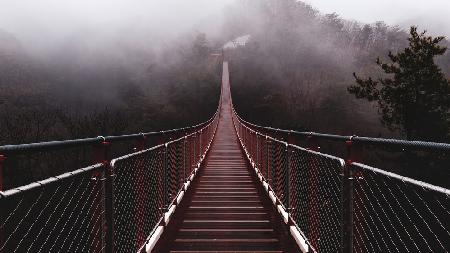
[2,161]
[353,155]
[313,194]
[101,154]
[109,206]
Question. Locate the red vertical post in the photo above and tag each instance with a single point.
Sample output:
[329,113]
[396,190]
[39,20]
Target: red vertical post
[257,151]
[138,195]
[193,151]
[254,146]
[261,155]
[268,160]
[109,209]
[249,146]
[353,155]
[2,161]
[185,175]
[287,181]
[246,140]
[194,156]
[291,141]
[247,133]
[141,143]
[245,137]
[313,221]
[250,140]
[166,180]
[189,153]
[200,148]
[162,138]
[290,138]
[100,155]
[2,164]
[241,131]
[101,152]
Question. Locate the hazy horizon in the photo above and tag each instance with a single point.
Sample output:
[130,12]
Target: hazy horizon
[428,15]
[48,23]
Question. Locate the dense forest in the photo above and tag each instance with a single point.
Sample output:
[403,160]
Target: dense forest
[293,72]
[296,69]
[74,94]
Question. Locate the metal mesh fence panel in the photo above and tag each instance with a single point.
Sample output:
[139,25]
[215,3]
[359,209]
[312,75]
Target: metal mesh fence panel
[185,160]
[205,135]
[397,214]
[196,148]
[174,168]
[338,206]
[99,208]
[279,175]
[61,214]
[192,155]
[315,197]
[139,197]
[252,145]
[262,155]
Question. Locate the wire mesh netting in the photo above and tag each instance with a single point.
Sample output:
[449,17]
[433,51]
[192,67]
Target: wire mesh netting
[104,207]
[190,145]
[175,169]
[148,182]
[278,172]
[262,155]
[315,197]
[398,214]
[60,214]
[139,197]
[339,206]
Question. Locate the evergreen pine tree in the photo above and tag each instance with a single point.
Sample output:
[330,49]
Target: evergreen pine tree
[415,95]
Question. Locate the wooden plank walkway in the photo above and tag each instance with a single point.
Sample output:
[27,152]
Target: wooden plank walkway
[226,210]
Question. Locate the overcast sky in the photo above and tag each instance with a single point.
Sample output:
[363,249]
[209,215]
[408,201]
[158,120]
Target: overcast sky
[433,15]
[49,17]
[59,17]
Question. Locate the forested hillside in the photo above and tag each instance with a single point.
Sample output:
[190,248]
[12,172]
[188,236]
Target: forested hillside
[295,70]
[293,73]
[76,93]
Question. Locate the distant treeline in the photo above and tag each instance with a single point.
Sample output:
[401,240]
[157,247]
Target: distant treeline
[293,73]
[295,70]
[42,100]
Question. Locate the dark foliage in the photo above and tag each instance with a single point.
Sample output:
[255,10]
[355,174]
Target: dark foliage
[57,100]
[415,98]
[294,71]
[41,101]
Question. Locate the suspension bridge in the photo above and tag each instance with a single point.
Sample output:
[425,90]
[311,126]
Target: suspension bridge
[225,185]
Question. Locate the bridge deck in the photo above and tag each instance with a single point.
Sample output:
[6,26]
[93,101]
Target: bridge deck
[226,210]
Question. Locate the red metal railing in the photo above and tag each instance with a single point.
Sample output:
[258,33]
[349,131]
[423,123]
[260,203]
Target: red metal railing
[148,183]
[336,204]
[342,205]
[58,157]
[112,206]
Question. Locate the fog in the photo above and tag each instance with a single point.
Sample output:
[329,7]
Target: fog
[41,25]
[431,15]
[107,67]
[51,24]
